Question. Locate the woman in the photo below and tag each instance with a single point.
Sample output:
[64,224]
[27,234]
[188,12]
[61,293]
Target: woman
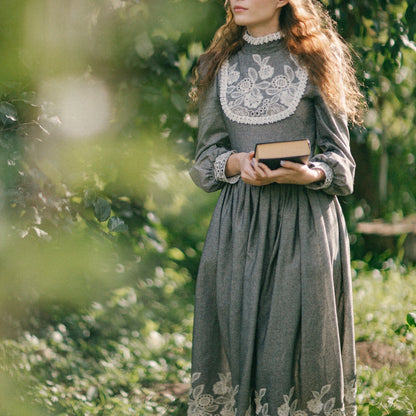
[273,329]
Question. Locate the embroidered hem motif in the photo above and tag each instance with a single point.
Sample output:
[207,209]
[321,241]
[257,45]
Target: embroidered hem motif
[219,168]
[261,40]
[261,97]
[222,402]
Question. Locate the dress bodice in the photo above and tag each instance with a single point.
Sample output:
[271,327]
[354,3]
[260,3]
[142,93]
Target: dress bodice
[261,85]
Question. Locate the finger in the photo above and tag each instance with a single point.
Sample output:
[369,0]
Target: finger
[254,164]
[264,168]
[260,171]
[249,172]
[291,165]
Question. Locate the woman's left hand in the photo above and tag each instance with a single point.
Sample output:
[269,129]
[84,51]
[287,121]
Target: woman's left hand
[289,173]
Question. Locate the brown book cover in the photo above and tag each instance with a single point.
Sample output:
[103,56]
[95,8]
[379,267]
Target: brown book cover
[272,153]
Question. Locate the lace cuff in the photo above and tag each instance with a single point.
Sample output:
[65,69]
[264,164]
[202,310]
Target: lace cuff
[329,175]
[219,168]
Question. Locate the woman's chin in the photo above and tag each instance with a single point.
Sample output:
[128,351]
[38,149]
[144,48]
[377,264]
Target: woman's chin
[240,20]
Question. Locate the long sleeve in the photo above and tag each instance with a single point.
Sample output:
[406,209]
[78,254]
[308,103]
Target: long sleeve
[213,146]
[332,140]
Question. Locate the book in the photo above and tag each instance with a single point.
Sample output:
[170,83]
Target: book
[272,153]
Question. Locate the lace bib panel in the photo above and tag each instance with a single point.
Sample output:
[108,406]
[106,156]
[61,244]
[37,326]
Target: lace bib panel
[262,92]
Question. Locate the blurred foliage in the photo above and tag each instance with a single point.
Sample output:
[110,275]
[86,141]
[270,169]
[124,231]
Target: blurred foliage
[382,298]
[118,357]
[93,130]
[96,206]
[382,35]
[128,354]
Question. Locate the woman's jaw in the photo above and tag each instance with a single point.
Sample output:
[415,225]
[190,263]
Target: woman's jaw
[260,17]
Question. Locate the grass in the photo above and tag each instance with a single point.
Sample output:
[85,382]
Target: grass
[382,300]
[131,354]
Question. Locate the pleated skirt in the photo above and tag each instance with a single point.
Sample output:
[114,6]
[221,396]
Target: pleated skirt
[273,325]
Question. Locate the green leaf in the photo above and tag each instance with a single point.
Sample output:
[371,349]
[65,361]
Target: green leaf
[102,209]
[397,412]
[117,224]
[8,113]
[402,330]
[176,254]
[411,319]
[374,411]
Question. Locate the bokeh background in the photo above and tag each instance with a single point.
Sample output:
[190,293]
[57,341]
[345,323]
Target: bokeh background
[101,229]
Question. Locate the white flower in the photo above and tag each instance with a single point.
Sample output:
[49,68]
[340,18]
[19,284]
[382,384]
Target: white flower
[223,386]
[266,71]
[315,405]
[246,85]
[201,404]
[261,96]
[205,400]
[222,402]
[350,392]
[253,100]
[220,388]
[283,410]
[249,91]
[280,82]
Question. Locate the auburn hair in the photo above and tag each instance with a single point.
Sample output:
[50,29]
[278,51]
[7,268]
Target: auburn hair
[311,35]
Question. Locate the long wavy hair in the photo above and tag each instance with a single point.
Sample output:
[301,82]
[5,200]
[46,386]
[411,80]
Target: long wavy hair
[311,35]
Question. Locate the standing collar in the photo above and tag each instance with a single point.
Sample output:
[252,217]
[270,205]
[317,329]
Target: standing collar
[261,40]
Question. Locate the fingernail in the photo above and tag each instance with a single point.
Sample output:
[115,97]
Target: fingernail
[282,162]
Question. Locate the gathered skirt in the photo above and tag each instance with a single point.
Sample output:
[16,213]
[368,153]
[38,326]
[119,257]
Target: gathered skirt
[273,326]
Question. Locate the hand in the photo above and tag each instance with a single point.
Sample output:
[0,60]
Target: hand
[259,174]
[289,173]
[254,173]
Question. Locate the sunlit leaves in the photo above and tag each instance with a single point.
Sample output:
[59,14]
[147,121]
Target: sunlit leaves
[382,36]
[411,319]
[117,224]
[102,209]
[115,356]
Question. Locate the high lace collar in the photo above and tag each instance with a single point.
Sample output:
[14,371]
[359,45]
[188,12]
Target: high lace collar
[261,40]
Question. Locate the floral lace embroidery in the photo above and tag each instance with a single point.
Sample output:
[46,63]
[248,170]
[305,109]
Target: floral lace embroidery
[201,404]
[223,401]
[329,176]
[261,40]
[219,168]
[262,96]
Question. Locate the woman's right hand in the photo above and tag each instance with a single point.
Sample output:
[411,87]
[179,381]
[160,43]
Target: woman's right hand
[245,165]
[251,173]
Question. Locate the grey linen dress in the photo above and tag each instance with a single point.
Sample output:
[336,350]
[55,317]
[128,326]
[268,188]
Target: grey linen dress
[273,328]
